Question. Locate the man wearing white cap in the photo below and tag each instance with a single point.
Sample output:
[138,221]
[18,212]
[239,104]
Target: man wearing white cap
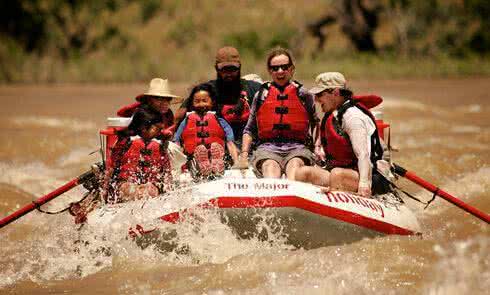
[349,138]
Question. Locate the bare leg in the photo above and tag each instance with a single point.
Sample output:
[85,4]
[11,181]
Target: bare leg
[146,190]
[271,169]
[344,179]
[127,191]
[314,175]
[293,165]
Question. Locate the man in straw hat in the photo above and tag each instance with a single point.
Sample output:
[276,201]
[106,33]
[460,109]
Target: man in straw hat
[156,100]
[349,138]
[234,95]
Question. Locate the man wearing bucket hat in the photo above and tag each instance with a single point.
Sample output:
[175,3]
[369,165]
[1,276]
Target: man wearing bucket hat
[349,138]
[234,95]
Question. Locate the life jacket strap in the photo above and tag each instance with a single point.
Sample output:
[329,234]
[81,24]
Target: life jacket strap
[281,127]
[282,96]
[202,134]
[282,110]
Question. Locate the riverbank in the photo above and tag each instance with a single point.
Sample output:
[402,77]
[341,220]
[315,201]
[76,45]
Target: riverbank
[184,67]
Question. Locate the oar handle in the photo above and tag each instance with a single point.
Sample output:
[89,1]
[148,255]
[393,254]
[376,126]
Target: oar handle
[46,198]
[433,189]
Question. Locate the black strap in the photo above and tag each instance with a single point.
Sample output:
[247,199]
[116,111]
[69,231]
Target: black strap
[202,134]
[376,148]
[410,195]
[282,110]
[202,123]
[281,127]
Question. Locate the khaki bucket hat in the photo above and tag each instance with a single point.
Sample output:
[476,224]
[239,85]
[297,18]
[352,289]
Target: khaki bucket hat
[328,80]
[158,87]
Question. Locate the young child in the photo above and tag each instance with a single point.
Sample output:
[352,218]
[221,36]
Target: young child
[141,165]
[203,135]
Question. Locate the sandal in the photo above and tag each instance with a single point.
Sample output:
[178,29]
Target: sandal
[217,154]
[202,160]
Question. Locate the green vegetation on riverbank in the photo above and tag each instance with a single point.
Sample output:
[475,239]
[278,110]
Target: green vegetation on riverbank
[131,40]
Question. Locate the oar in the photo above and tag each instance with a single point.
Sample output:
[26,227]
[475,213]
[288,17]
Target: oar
[46,198]
[437,191]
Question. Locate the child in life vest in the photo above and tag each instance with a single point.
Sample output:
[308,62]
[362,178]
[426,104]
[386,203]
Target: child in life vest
[141,165]
[203,135]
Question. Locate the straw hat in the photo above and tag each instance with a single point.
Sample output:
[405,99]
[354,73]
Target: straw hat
[158,87]
[328,80]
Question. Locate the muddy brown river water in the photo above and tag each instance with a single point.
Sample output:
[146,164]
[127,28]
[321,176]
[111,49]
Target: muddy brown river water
[440,127]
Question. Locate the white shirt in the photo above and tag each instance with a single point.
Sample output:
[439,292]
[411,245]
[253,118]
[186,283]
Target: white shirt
[359,127]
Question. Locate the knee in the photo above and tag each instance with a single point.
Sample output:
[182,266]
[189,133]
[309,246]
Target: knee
[270,164]
[271,168]
[295,163]
[336,175]
[302,174]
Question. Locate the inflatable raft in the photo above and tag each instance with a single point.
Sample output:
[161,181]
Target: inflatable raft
[308,217]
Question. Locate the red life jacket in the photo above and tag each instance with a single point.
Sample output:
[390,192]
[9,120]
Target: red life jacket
[282,115]
[230,116]
[336,142]
[143,163]
[201,130]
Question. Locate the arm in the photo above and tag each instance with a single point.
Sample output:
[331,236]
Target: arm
[250,129]
[243,156]
[230,138]
[314,123]
[361,144]
[227,128]
[233,150]
[179,131]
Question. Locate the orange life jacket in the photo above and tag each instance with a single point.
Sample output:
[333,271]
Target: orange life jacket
[143,162]
[227,111]
[336,142]
[282,115]
[201,130]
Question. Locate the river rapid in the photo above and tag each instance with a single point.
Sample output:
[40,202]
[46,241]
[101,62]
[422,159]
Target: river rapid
[47,133]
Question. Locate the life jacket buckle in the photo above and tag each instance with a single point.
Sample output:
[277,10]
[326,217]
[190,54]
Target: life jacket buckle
[202,134]
[282,110]
[281,127]
[146,152]
[144,163]
[202,123]
[282,96]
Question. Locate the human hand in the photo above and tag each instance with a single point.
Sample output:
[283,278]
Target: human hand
[364,189]
[242,161]
[320,153]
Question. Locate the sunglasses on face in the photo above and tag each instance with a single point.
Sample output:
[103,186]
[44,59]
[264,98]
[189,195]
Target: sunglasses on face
[284,67]
[229,69]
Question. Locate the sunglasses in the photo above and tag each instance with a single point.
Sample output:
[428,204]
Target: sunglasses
[229,69]
[284,67]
